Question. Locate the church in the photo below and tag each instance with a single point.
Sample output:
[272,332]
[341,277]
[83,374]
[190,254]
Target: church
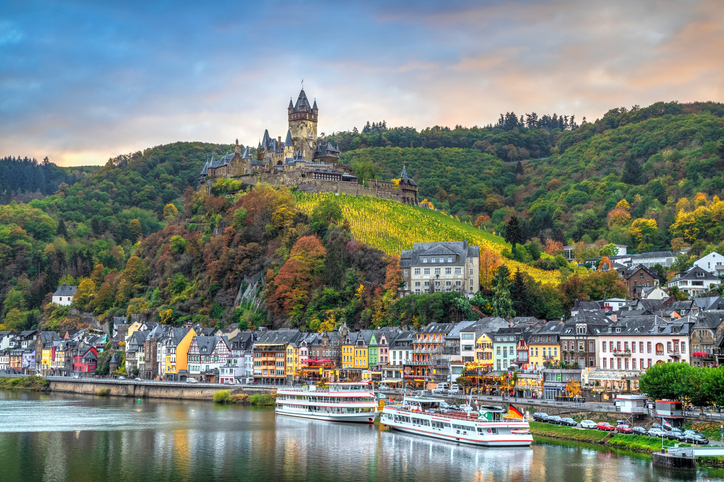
[302,161]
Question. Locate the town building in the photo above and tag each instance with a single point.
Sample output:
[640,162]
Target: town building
[441,267]
[712,262]
[651,259]
[544,345]
[206,355]
[270,355]
[694,281]
[639,277]
[64,295]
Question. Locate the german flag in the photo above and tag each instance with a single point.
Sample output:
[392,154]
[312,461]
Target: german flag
[514,412]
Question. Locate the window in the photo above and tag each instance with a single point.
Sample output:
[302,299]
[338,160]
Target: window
[448,283]
[641,364]
[405,273]
[618,346]
[427,283]
[648,347]
[555,351]
[442,260]
[458,283]
[471,282]
[437,271]
[417,291]
[449,260]
[603,347]
[581,346]
[619,364]
[470,271]
[633,347]
[417,283]
[591,346]
[668,346]
[458,271]
[604,363]
[625,346]
[610,345]
[626,360]
[426,271]
[448,270]
[683,347]
[497,351]
[633,363]
[649,363]
[565,345]
[417,271]
[424,260]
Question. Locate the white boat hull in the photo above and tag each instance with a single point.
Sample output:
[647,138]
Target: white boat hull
[488,441]
[329,417]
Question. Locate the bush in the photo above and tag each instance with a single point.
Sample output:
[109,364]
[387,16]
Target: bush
[222,396]
[104,392]
[240,399]
[262,399]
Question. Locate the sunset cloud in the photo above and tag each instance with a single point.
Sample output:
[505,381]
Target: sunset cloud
[84,81]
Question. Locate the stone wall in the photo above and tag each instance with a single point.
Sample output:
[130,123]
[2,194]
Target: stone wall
[165,390]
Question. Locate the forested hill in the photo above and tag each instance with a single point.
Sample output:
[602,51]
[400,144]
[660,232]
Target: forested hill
[25,176]
[564,182]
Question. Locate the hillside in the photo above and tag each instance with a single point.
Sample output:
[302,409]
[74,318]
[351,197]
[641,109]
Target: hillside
[391,227]
[652,157]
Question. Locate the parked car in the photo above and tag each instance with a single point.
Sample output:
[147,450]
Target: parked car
[191,380]
[540,416]
[554,419]
[639,431]
[138,379]
[674,434]
[605,426]
[453,391]
[440,388]
[569,421]
[695,437]
[121,377]
[656,432]
[657,425]
[623,428]
[588,424]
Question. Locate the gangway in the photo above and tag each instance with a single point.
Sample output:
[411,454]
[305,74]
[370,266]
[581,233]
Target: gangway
[692,452]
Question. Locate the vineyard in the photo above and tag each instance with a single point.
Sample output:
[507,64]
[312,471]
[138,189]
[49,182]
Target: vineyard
[392,227]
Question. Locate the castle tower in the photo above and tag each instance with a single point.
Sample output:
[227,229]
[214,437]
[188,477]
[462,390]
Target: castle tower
[303,125]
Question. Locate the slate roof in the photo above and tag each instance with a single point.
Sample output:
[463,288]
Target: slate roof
[635,269]
[66,290]
[288,141]
[302,101]
[459,250]
[654,254]
[437,328]
[279,337]
[710,319]
[693,274]
[709,303]
[405,179]
[207,344]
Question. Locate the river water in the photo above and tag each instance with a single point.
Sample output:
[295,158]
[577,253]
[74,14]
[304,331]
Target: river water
[81,438]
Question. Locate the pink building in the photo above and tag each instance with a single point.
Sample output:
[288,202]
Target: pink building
[638,342]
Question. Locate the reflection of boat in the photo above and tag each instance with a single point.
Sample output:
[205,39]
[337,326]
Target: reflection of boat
[488,426]
[342,402]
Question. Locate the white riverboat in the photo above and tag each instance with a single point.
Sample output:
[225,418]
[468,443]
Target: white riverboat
[488,426]
[342,402]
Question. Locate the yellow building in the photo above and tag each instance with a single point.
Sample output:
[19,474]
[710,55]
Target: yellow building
[544,345]
[177,357]
[46,361]
[361,356]
[135,326]
[347,355]
[292,365]
[484,352]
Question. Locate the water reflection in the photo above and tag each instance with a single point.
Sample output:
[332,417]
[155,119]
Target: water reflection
[55,438]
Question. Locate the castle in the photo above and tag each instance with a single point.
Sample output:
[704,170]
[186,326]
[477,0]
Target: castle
[303,162]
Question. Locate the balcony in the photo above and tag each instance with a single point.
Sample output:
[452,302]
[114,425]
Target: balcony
[674,354]
[549,357]
[621,352]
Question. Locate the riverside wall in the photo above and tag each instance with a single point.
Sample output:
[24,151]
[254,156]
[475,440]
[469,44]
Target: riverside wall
[138,389]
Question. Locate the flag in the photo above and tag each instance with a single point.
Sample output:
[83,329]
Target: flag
[666,423]
[514,412]
[382,396]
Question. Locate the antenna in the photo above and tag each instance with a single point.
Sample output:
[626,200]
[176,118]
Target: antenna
[302,84]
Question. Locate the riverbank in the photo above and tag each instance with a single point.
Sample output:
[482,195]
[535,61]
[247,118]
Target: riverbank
[32,383]
[256,399]
[634,443]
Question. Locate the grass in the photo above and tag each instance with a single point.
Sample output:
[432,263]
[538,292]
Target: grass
[104,392]
[639,443]
[31,382]
[257,399]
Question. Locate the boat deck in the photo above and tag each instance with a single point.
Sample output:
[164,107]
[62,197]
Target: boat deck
[467,416]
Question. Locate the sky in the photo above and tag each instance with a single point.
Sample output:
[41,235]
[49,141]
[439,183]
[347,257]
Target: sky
[81,82]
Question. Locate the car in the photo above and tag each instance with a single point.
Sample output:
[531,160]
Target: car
[191,380]
[695,437]
[674,434]
[657,425]
[656,432]
[121,377]
[453,391]
[588,424]
[569,421]
[605,426]
[554,419]
[138,379]
[440,388]
[623,428]
[639,431]
[76,376]
[540,416]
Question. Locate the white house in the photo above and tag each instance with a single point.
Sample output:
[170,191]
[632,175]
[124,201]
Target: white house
[695,281]
[712,262]
[652,258]
[64,295]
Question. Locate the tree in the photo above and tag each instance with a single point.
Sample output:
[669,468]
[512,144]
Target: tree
[632,172]
[324,214]
[489,263]
[239,218]
[502,304]
[513,232]
[62,230]
[519,295]
[136,229]
[170,211]
[608,250]
[642,231]
[666,381]
[135,270]
[85,293]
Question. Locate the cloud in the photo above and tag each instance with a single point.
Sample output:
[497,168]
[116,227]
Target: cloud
[97,79]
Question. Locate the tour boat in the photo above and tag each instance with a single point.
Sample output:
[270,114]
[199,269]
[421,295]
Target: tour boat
[488,426]
[342,402]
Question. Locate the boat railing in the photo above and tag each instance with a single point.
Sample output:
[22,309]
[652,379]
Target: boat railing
[469,416]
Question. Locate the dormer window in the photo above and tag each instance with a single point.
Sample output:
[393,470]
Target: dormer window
[618,330]
[424,260]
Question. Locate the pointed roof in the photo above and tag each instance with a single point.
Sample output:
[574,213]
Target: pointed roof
[291,106]
[265,139]
[205,170]
[405,179]
[246,154]
[302,101]
[315,105]
[288,141]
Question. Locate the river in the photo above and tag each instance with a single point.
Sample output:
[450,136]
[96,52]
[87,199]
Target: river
[80,438]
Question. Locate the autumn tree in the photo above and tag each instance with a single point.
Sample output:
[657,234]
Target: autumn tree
[135,271]
[643,232]
[170,212]
[552,247]
[84,294]
[489,263]
[136,229]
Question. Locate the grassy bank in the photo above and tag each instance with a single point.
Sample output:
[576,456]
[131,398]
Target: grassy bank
[257,399]
[31,382]
[637,443]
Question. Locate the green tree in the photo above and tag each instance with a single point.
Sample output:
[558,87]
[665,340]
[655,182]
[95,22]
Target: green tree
[513,232]
[632,172]
[502,303]
[240,215]
[519,295]
[136,229]
[666,381]
[608,250]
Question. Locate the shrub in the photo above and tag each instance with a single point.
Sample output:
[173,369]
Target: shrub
[222,396]
[262,399]
[104,392]
[240,399]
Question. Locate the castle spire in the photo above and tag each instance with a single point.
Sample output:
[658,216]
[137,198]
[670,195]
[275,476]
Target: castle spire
[288,141]
[237,148]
